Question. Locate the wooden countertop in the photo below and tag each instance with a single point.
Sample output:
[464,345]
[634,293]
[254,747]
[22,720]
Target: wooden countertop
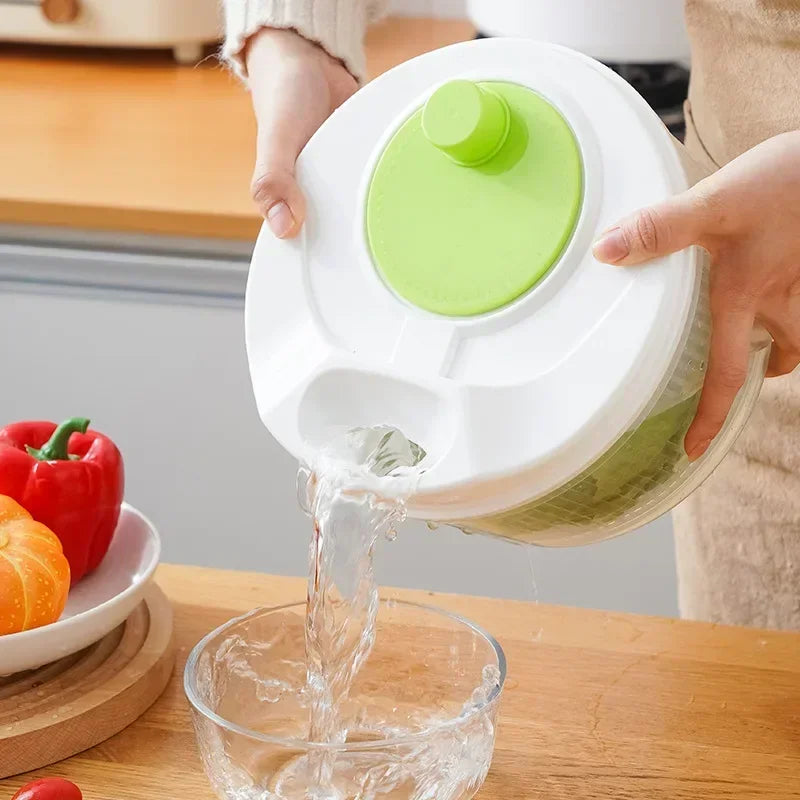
[132,142]
[596,705]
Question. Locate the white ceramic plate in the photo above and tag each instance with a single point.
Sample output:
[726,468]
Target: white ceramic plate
[97,604]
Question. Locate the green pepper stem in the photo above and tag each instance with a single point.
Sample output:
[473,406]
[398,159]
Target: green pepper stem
[55,449]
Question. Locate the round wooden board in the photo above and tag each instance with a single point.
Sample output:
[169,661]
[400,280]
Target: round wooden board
[61,709]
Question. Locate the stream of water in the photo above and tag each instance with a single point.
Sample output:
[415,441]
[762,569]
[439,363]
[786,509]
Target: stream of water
[355,493]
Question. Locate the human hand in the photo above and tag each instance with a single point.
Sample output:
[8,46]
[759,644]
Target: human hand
[295,87]
[747,216]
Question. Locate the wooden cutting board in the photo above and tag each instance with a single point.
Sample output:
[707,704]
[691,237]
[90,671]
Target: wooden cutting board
[77,702]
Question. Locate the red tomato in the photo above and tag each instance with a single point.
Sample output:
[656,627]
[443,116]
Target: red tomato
[49,789]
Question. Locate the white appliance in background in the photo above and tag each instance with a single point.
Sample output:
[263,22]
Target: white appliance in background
[184,26]
[619,31]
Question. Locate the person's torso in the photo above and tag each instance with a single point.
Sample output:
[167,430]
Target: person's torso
[745,84]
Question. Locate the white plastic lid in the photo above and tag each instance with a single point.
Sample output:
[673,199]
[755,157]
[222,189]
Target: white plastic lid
[511,404]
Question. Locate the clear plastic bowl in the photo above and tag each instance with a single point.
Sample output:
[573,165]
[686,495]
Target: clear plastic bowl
[646,472]
[420,719]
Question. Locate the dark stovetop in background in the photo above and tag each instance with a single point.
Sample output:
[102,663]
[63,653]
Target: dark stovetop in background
[663,86]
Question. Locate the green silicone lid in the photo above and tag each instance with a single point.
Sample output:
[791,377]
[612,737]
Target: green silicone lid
[474,198]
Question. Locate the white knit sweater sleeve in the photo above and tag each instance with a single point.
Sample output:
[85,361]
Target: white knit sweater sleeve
[336,25]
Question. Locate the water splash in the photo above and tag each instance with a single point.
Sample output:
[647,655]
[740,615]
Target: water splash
[350,510]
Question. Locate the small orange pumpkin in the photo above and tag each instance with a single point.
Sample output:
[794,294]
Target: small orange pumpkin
[34,573]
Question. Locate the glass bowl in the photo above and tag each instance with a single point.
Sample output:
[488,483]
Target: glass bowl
[420,720]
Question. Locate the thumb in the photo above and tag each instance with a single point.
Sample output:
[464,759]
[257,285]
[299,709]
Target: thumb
[274,187]
[651,232]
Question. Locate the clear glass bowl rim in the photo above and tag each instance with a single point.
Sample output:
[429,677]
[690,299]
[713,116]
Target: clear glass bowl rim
[190,672]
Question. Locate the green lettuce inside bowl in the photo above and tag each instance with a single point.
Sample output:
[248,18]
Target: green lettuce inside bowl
[640,462]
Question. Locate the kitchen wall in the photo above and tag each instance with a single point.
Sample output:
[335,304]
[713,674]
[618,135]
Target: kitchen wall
[158,363]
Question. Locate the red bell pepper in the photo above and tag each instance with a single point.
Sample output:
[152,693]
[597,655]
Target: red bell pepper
[69,479]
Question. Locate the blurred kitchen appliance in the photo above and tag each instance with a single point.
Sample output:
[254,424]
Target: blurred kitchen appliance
[184,26]
[645,41]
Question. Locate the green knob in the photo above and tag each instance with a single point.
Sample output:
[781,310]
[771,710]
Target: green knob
[467,122]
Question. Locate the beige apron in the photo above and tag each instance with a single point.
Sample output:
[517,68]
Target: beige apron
[738,537]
